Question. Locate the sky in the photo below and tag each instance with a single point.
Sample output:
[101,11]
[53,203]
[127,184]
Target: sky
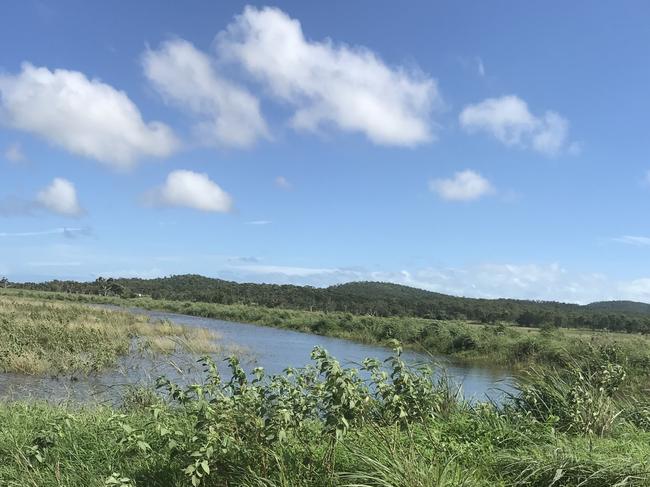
[488,149]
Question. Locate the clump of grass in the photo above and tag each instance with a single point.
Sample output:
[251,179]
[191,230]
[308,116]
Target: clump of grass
[580,398]
[166,337]
[570,463]
[387,457]
[50,338]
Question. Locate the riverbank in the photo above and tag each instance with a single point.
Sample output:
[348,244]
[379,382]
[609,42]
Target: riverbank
[584,423]
[39,337]
[499,344]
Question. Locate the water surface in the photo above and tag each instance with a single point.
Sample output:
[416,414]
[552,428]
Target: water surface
[274,349]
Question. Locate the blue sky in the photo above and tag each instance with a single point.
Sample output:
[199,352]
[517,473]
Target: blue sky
[480,149]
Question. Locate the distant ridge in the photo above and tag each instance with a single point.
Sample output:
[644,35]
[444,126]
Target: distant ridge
[621,306]
[374,298]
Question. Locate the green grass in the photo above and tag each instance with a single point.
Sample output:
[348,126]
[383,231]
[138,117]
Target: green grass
[502,344]
[38,337]
[321,426]
[580,417]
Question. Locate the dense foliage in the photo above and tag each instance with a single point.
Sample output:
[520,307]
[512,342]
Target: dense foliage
[368,298]
[385,424]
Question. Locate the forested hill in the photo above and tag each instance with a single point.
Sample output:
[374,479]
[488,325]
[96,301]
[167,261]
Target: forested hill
[621,306]
[376,298]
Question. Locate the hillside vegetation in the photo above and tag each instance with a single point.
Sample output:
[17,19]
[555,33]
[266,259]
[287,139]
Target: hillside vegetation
[368,298]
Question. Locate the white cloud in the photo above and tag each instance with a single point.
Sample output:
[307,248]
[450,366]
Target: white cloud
[637,289]
[86,117]
[229,115]
[54,264]
[259,222]
[487,280]
[509,120]
[329,84]
[463,186]
[282,182]
[14,153]
[633,240]
[287,271]
[60,197]
[55,231]
[646,178]
[191,190]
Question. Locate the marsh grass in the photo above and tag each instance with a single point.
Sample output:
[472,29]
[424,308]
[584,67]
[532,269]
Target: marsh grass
[498,344]
[40,338]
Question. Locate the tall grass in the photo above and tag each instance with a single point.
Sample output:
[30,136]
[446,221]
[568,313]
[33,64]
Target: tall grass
[326,426]
[584,421]
[465,341]
[58,337]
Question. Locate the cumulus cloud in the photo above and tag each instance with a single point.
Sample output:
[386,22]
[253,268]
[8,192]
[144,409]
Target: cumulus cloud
[86,117]
[191,190]
[349,88]
[60,197]
[509,120]
[282,183]
[463,186]
[14,153]
[228,114]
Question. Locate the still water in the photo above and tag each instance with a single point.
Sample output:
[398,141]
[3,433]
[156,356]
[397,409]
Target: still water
[274,349]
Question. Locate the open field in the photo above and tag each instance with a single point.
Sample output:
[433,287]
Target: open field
[38,337]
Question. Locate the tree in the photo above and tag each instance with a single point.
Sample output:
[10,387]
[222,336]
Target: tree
[103,285]
[4,282]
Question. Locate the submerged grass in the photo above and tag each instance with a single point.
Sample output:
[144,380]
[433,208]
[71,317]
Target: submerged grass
[38,337]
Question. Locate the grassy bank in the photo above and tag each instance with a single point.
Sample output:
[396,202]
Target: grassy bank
[323,426]
[580,418]
[500,344]
[38,337]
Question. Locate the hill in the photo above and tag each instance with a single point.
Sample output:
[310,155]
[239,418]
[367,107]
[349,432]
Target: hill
[373,298]
[621,306]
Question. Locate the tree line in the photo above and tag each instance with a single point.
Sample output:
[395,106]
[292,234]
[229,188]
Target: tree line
[365,298]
